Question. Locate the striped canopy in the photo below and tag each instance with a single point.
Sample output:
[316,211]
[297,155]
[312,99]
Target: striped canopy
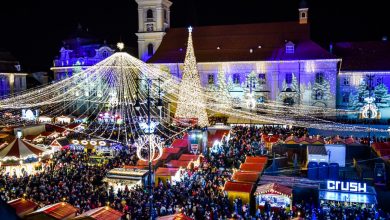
[20,149]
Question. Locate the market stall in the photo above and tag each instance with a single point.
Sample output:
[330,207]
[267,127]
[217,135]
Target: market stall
[57,211]
[246,177]
[20,156]
[171,175]
[120,178]
[196,159]
[278,196]
[256,159]
[23,206]
[64,119]
[239,190]
[186,164]
[45,119]
[252,167]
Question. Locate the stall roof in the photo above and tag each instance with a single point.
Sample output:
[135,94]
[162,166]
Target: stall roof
[178,163]
[22,205]
[59,210]
[249,177]
[163,171]
[317,149]
[192,157]
[254,159]
[180,143]
[101,213]
[175,217]
[238,187]
[172,150]
[254,167]
[274,188]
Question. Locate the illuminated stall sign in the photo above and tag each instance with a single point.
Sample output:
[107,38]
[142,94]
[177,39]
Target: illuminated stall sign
[346,186]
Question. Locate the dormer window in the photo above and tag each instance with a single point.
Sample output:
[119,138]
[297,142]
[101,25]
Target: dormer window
[290,47]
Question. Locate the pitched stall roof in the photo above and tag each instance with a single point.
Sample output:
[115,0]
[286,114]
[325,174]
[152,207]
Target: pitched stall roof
[267,40]
[101,213]
[189,157]
[163,171]
[59,210]
[254,159]
[248,177]
[238,187]
[22,206]
[180,143]
[366,55]
[178,163]
[274,188]
[252,167]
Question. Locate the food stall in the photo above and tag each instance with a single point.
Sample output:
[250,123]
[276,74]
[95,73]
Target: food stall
[278,196]
[238,190]
[120,178]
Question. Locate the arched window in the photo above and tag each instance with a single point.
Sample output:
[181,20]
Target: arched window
[105,54]
[150,50]
[303,15]
[149,15]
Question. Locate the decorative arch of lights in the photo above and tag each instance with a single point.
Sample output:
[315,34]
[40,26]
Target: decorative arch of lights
[106,93]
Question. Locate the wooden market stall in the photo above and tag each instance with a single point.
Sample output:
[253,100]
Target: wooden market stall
[101,213]
[57,211]
[164,174]
[252,167]
[23,206]
[239,190]
[246,177]
[278,196]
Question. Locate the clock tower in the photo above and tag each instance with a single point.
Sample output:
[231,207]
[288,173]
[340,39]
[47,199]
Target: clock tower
[153,20]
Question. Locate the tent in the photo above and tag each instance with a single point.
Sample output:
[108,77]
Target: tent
[57,211]
[277,195]
[239,190]
[23,206]
[19,151]
[101,213]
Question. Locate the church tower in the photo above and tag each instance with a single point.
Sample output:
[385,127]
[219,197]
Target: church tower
[153,20]
[303,12]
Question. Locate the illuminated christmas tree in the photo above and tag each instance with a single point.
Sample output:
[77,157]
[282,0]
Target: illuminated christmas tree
[191,103]
[223,90]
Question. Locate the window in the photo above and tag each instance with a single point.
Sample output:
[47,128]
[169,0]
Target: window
[290,47]
[210,79]
[149,15]
[379,81]
[150,50]
[288,78]
[105,54]
[262,80]
[165,16]
[236,78]
[346,81]
[320,78]
[345,97]
[303,15]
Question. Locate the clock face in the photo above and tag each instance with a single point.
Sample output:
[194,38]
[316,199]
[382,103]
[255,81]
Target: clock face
[149,27]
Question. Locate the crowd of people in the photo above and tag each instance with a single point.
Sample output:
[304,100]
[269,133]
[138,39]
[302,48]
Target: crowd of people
[69,177]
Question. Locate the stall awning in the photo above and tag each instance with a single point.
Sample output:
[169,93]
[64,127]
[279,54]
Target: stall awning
[101,213]
[249,177]
[163,171]
[347,197]
[180,143]
[274,188]
[178,163]
[22,205]
[238,187]
[252,159]
[59,210]
[189,157]
[253,167]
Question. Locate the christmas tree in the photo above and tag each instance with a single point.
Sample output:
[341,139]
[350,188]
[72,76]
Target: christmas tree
[382,96]
[223,94]
[191,103]
[321,91]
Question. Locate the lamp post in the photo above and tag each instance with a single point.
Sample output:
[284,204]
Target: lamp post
[149,140]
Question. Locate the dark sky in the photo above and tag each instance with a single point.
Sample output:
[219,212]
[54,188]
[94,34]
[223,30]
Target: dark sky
[33,30]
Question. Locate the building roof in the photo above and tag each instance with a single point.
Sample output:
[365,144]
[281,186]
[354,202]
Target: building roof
[274,188]
[22,205]
[238,187]
[317,149]
[8,63]
[267,41]
[101,213]
[364,56]
[59,210]
[248,177]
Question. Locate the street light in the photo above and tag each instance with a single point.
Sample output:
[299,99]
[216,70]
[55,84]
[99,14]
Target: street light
[148,141]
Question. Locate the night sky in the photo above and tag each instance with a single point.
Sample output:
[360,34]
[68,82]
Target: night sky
[33,30]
